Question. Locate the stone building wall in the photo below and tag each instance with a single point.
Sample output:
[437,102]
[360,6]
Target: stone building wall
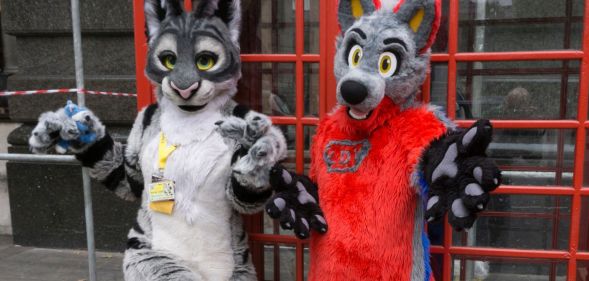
[46,203]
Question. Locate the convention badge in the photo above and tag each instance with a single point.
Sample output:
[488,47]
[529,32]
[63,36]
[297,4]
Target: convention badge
[161,195]
[162,190]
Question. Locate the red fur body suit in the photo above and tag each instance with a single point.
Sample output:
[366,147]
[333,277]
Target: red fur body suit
[364,172]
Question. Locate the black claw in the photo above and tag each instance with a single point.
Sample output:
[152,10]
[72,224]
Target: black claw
[257,118]
[218,123]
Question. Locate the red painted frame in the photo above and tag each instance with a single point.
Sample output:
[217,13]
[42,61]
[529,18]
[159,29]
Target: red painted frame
[328,31]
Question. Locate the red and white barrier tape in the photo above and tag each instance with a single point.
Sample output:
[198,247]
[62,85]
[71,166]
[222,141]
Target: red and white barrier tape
[72,90]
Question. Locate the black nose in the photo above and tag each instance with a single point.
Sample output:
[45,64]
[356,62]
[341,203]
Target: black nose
[353,92]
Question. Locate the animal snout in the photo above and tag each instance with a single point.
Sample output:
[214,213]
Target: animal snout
[353,92]
[187,92]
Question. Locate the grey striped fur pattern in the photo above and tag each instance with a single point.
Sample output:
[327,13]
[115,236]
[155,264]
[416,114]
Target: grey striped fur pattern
[223,157]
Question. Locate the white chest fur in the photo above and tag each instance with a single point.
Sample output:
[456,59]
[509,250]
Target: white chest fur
[199,227]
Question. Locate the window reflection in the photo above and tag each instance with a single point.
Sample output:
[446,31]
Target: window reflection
[519,25]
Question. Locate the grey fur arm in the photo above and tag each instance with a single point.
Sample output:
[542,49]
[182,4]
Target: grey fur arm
[117,166]
[258,147]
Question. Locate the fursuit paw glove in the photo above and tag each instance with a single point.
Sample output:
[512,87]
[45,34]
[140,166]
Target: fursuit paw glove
[296,203]
[460,175]
[259,147]
[70,128]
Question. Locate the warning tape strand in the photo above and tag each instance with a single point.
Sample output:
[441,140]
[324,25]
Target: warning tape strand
[71,90]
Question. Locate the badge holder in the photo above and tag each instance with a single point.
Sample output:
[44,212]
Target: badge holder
[161,190]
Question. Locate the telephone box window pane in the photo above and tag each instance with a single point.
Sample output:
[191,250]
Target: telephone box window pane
[499,269]
[439,84]
[582,270]
[311,32]
[584,226]
[519,25]
[308,141]
[311,89]
[521,222]
[268,88]
[540,157]
[267,27]
[441,43]
[518,90]
[278,261]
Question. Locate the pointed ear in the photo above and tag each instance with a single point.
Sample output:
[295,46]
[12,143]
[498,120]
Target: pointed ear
[423,18]
[156,11]
[351,10]
[229,11]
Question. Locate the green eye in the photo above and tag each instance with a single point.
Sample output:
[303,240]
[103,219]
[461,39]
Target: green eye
[169,61]
[205,62]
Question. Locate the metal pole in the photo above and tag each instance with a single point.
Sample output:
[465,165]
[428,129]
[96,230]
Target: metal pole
[39,158]
[85,173]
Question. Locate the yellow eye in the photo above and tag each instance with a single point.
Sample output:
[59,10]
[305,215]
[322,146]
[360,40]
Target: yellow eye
[205,62]
[355,56]
[388,64]
[169,61]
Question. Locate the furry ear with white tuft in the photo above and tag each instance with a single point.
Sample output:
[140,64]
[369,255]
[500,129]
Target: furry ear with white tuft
[351,10]
[156,11]
[423,18]
[229,11]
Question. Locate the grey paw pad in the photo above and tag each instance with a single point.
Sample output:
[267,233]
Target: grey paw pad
[478,174]
[467,139]
[473,189]
[304,197]
[304,221]
[286,177]
[432,201]
[447,166]
[320,219]
[459,210]
[280,203]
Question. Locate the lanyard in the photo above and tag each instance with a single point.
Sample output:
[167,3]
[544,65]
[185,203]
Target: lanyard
[164,151]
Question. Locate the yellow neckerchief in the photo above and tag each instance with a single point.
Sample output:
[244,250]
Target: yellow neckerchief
[164,151]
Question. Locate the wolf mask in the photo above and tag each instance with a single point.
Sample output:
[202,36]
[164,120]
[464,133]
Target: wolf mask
[383,52]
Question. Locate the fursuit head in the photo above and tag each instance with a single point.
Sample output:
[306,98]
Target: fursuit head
[382,162]
[196,159]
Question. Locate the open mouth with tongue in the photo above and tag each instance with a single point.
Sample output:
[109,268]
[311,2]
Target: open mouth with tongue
[357,114]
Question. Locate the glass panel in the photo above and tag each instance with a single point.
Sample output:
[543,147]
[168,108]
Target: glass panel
[311,26]
[522,222]
[518,89]
[268,88]
[582,270]
[441,43]
[267,26]
[311,85]
[519,25]
[500,269]
[439,84]
[309,133]
[534,156]
[283,263]
[584,227]
[289,132]
[437,264]
[306,262]
[435,232]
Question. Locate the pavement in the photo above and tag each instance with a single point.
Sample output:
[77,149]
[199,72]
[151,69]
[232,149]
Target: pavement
[36,264]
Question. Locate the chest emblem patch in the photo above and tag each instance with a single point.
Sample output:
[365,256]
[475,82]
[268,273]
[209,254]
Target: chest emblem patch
[345,156]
